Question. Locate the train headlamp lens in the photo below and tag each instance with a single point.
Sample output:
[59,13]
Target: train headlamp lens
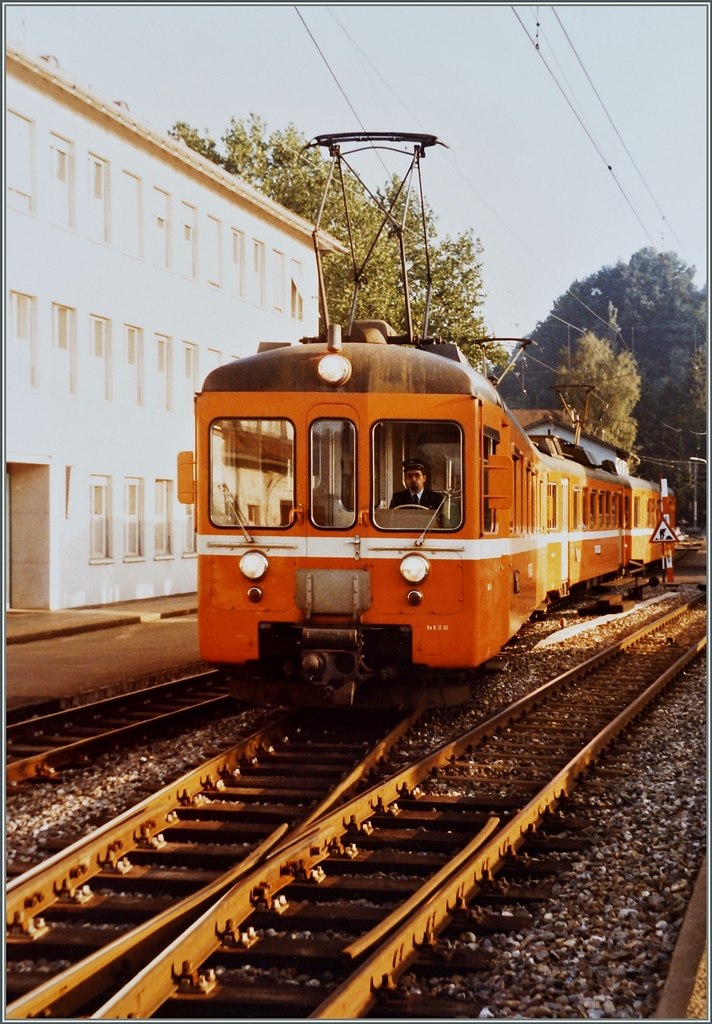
[254,565]
[334,369]
[414,568]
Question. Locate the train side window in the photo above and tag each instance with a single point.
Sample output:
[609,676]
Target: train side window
[333,465]
[435,445]
[636,510]
[607,520]
[626,511]
[552,507]
[251,472]
[593,494]
[577,508]
[584,509]
[600,508]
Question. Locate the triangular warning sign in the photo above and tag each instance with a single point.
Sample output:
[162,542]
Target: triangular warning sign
[664,533]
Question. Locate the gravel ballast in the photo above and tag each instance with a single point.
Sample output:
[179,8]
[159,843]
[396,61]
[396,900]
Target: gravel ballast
[600,948]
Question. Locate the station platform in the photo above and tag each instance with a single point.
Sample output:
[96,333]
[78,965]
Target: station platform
[59,659]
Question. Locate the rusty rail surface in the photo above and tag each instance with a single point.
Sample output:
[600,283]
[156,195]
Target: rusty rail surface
[181,970]
[63,877]
[149,703]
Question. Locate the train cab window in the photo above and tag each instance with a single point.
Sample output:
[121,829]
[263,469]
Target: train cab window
[333,462]
[251,472]
[399,446]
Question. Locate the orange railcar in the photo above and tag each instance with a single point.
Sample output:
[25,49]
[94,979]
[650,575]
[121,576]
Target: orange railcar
[317,584]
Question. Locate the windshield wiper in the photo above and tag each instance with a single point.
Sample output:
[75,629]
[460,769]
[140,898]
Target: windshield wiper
[239,518]
[436,513]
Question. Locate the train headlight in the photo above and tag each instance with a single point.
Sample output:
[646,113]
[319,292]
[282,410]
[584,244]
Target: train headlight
[334,369]
[414,568]
[254,565]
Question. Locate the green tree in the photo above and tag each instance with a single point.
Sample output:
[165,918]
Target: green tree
[602,388]
[279,165]
[650,308]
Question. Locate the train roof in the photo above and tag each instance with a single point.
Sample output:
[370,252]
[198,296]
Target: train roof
[437,369]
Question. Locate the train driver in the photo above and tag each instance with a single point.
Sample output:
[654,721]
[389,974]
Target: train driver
[415,493]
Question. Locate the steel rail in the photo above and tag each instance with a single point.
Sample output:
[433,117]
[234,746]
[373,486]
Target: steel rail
[45,763]
[179,965]
[32,892]
[359,993]
[69,991]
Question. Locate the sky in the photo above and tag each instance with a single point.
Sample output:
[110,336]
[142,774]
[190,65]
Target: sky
[561,159]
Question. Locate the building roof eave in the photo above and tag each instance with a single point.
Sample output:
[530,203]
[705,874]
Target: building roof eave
[167,144]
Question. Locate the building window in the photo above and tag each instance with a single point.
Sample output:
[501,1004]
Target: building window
[297,302]
[133,517]
[278,281]
[98,199]
[133,337]
[22,368]
[260,270]
[164,498]
[100,357]
[188,242]
[238,264]
[64,321]
[213,252]
[190,374]
[163,368]
[19,155]
[189,547]
[61,175]
[131,214]
[100,519]
[161,228]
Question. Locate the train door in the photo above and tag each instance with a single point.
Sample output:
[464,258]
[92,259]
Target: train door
[331,579]
[565,531]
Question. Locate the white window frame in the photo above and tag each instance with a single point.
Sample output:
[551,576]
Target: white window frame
[212,250]
[132,211]
[237,255]
[105,355]
[296,297]
[188,241]
[133,519]
[64,338]
[163,351]
[163,539]
[23,329]
[99,232]
[161,221]
[21,166]
[189,538]
[62,147]
[278,289]
[259,263]
[133,347]
[100,519]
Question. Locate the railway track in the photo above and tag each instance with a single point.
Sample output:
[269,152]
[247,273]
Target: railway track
[353,897]
[35,748]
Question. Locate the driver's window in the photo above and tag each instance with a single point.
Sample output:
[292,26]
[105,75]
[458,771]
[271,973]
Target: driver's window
[417,475]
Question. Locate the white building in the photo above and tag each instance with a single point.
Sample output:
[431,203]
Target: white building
[134,267]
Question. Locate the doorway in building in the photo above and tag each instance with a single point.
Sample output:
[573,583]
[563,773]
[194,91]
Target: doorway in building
[27,535]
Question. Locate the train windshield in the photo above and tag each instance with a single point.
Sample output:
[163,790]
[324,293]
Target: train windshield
[417,475]
[333,459]
[251,472]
